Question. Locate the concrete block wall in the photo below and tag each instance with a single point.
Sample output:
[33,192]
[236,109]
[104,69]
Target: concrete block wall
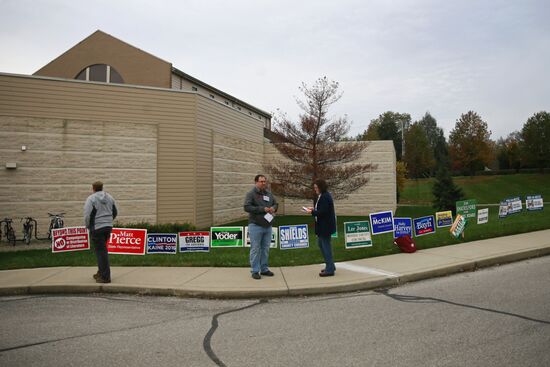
[236,162]
[62,159]
[379,194]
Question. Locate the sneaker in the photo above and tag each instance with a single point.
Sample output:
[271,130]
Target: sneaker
[256,276]
[267,273]
[101,280]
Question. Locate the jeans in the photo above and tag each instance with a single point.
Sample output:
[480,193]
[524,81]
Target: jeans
[99,239]
[326,250]
[260,239]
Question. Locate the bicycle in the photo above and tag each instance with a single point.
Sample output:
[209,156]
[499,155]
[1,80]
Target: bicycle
[28,226]
[56,221]
[9,231]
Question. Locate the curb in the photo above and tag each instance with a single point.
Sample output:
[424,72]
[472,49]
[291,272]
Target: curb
[386,282]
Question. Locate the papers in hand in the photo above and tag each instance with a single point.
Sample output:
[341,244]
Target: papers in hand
[268,217]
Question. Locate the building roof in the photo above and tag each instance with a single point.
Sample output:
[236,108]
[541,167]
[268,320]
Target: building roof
[221,93]
[100,35]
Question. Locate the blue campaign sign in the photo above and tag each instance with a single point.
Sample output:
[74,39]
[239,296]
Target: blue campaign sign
[162,243]
[402,227]
[381,222]
[424,225]
[295,236]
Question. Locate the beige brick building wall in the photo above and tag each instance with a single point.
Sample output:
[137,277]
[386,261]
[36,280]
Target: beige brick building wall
[63,158]
[138,140]
[165,155]
[225,138]
[379,193]
[236,162]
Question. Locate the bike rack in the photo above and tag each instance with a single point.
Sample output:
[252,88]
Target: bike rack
[35,231]
[14,232]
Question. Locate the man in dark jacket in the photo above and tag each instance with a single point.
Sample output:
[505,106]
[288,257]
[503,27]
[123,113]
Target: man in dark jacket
[99,212]
[261,207]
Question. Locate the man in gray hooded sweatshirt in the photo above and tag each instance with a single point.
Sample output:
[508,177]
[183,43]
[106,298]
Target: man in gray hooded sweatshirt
[99,212]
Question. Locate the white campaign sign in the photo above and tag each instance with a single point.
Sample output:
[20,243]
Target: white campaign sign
[482,216]
[274,237]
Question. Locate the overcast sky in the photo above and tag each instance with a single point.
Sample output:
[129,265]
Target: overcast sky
[445,57]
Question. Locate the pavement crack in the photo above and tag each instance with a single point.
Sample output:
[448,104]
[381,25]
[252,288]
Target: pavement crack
[53,296]
[51,276]
[316,298]
[420,299]
[284,280]
[196,276]
[169,321]
[18,299]
[207,341]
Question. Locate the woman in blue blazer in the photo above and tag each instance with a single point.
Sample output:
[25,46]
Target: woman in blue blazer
[325,224]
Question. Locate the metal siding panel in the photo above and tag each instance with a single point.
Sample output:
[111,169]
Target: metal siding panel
[216,120]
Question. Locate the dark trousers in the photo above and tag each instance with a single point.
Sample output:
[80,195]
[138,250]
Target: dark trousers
[99,239]
[326,250]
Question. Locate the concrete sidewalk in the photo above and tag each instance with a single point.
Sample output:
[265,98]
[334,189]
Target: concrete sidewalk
[384,271]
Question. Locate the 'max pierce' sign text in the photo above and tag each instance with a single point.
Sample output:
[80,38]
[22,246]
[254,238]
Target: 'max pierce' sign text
[128,241]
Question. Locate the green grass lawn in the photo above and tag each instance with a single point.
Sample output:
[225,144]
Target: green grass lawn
[485,189]
[382,245]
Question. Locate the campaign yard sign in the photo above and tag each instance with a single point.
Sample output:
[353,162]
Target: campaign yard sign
[402,227]
[467,208]
[127,241]
[514,205]
[70,239]
[503,209]
[194,241]
[162,243]
[482,216]
[509,206]
[458,226]
[357,234]
[335,234]
[223,237]
[274,237]
[382,222]
[444,219]
[292,237]
[424,225]
[534,202]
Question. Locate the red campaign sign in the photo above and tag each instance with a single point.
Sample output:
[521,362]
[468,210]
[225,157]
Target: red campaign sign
[128,241]
[420,232]
[70,239]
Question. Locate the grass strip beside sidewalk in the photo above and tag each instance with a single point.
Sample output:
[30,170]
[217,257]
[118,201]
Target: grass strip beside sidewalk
[238,257]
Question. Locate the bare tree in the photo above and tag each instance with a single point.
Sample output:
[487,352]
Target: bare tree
[314,149]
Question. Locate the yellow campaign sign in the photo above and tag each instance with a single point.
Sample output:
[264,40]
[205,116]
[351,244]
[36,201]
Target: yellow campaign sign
[444,219]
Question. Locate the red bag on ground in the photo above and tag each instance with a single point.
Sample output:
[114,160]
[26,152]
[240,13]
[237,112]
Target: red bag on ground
[405,244]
